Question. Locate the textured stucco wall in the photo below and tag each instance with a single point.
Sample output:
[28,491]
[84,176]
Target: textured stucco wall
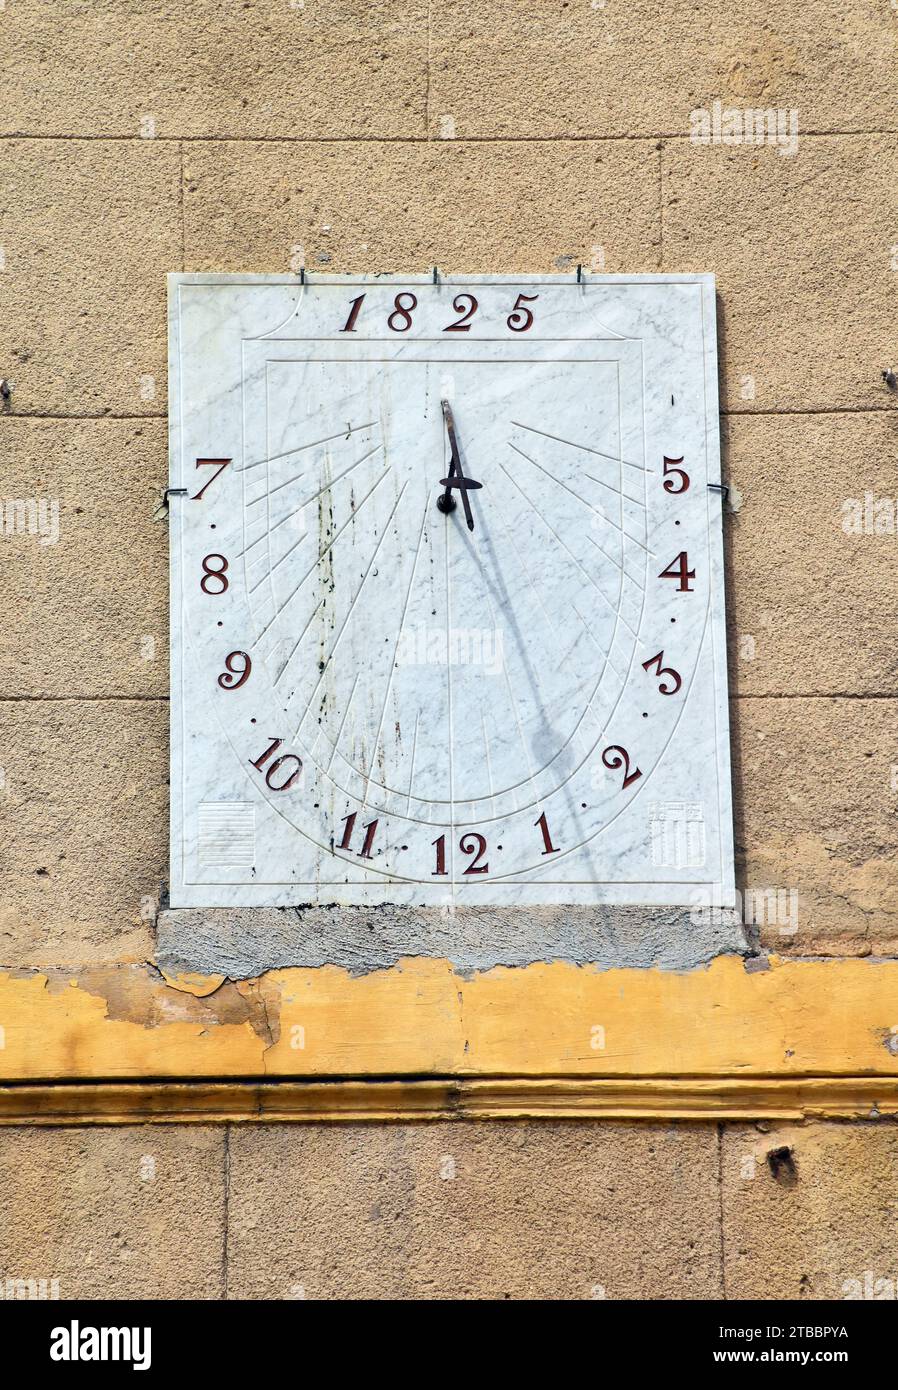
[139,138]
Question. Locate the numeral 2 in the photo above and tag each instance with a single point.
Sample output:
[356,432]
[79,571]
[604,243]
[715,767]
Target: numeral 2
[461,325]
[620,758]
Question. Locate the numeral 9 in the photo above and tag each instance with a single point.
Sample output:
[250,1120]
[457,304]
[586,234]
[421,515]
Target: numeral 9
[234,676]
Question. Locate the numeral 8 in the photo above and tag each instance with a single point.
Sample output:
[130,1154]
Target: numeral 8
[403,311]
[211,572]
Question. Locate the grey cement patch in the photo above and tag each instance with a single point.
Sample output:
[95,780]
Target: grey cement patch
[244,942]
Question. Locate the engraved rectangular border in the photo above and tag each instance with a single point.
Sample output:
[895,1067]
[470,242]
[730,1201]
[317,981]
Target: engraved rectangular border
[722,893]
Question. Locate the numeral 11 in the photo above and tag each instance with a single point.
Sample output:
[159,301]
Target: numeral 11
[346,842]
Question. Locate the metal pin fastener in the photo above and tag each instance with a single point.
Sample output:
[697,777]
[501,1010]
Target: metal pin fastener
[722,488]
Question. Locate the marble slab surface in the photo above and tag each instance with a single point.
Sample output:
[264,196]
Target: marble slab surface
[373,703]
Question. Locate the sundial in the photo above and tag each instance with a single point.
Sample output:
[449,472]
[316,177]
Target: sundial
[447,591]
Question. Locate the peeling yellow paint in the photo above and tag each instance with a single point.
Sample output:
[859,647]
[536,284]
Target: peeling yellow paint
[795,1019]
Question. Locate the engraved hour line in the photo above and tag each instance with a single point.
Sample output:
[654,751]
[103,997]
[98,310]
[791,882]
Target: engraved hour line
[295,479]
[514,708]
[587,449]
[286,555]
[617,491]
[273,458]
[411,775]
[450,726]
[518,552]
[383,713]
[330,760]
[617,563]
[348,522]
[489,765]
[606,656]
[586,573]
[634,579]
[266,535]
[312,617]
[350,610]
[302,581]
[586,504]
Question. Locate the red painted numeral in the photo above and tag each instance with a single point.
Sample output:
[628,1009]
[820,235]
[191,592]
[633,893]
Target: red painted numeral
[346,842]
[349,325]
[211,572]
[403,312]
[679,569]
[547,838]
[474,844]
[619,757]
[521,318]
[232,677]
[219,465]
[669,485]
[290,777]
[461,325]
[661,672]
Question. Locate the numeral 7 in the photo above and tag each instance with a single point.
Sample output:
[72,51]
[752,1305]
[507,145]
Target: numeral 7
[201,463]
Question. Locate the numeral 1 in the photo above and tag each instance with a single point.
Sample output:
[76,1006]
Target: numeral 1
[349,325]
[346,842]
[547,838]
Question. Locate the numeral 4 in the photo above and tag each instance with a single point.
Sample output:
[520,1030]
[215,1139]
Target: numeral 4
[679,569]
